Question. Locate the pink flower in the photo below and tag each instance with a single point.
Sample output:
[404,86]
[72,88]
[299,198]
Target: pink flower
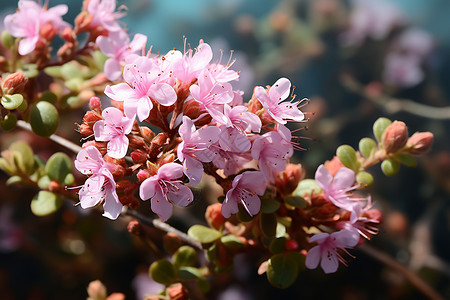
[143,83]
[195,148]
[230,162]
[326,250]
[165,190]
[118,47]
[113,128]
[190,65]
[336,189]
[211,94]
[271,101]
[100,187]
[104,14]
[272,150]
[245,188]
[26,23]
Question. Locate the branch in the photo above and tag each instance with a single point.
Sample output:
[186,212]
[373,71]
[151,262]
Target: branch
[393,105]
[56,138]
[164,227]
[413,278]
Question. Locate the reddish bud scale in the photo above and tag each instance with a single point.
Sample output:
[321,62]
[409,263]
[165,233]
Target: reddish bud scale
[91,117]
[48,31]
[147,134]
[134,227]
[167,159]
[214,216]
[138,156]
[142,175]
[177,292]
[68,35]
[85,130]
[394,137]
[137,143]
[288,180]
[254,105]
[157,143]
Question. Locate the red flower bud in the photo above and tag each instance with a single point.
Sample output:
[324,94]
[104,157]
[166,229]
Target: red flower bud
[85,130]
[142,175]
[53,186]
[288,180]
[214,216]
[419,143]
[136,142]
[134,227]
[48,31]
[177,292]
[138,156]
[14,83]
[91,117]
[395,137]
[68,35]
[147,134]
[95,104]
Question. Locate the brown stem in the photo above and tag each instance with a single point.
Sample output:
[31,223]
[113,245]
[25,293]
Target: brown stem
[164,227]
[413,278]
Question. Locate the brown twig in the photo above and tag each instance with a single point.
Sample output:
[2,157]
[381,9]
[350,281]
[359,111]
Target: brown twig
[413,278]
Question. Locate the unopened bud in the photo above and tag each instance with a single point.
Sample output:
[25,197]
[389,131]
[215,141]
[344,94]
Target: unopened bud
[95,104]
[85,130]
[68,35]
[394,137]
[214,217]
[82,22]
[136,142]
[287,181]
[147,134]
[14,83]
[142,175]
[116,296]
[167,159]
[134,227]
[138,156]
[157,143]
[420,143]
[291,245]
[48,31]
[177,292]
[96,290]
[53,186]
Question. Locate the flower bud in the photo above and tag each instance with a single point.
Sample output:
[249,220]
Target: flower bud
[95,104]
[68,35]
[142,175]
[291,245]
[134,227]
[91,117]
[394,137]
[177,292]
[214,216]
[96,290]
[14,83]
[85,130]
[157,143]
[136,142]
[116,296]
[419,143]
[138,156]
[287,181]
[147,134]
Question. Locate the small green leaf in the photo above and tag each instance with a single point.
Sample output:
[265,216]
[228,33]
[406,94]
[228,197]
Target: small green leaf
[26,161]
[347,156]
[7,165]
[71,70]
[43,182]
[204,234]
[406,159]
[69,179]
[364,178]
[58,166]
[7,39]
[49,97]
[54,71]
[9,122]
[189,273]
[23,106]
[12,101]
[243,215]
[185,256]
[282,270]
[74,84]
[204,286]
[268,224]
[278,245]
[44,119]
[379,127]
[162,271]
[269,206]
[367,146]
[296,201]
[390,167]
[231,241]
[13,180]
[99,59]
[307,187]
[45,203]
[29,70]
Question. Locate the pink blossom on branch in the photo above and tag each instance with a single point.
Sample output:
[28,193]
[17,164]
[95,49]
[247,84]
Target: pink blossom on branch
[326,252]
[165,190]
[272,102]
[100,187]
[143,83]
[104,14]
[114,128]
[26,23]
[189,66]
[118,47]
[245,188]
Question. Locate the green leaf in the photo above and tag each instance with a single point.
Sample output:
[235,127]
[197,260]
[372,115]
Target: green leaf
[162,271]
[58,166]
[12,101]
[74,84]
[390,167]
[268,224]
[44,119]
[45,203]
[43,182]
[9,122]
[296,201]
[278,245]
[185,256]
[243,215]
[69,179]
[49,97]
[189,273]
[379,127]
[71,70]
[26,162]
[307,187]
[406,159]
[231,241]
[54,71]
[7,166]
[7,39]
[269,206]
[29,70]
[282,270]
[204,286]
[367,146]
[347,156]
[204,234]
[13,180]
[364,178]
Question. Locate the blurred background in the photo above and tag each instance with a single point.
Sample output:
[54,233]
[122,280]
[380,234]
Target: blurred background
[355,60]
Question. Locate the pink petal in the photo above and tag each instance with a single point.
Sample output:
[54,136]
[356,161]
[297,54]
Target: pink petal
[313,258]
[161,207]
[280,90]
[261,95]
[323,178]
[290,111]
[120,92]
[182,196]
[329,262]
[144,106]
[112,206]
[252,204]
[229,206]
[138,42]
[343,179]
[149,187]
[163,93]
[118,147]
[202,57]
[346,238]
[27,45]
[193,170]
[112,69]
[170,171]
